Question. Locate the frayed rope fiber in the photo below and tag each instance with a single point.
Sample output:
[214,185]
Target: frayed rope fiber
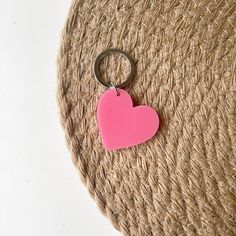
[182,181]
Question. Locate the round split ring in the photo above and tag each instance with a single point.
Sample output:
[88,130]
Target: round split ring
[97,63]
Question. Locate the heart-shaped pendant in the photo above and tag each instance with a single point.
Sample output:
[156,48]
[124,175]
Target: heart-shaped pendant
[121,125]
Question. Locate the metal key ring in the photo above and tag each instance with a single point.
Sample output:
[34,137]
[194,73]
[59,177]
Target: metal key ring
[97,63]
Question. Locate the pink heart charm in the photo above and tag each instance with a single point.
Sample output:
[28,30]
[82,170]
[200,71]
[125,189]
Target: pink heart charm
[121,125]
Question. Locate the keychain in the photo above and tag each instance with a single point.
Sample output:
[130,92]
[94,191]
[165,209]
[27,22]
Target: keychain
[121,125]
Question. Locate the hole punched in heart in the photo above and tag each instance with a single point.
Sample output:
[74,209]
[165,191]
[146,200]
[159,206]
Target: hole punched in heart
[117,90]
[114,65]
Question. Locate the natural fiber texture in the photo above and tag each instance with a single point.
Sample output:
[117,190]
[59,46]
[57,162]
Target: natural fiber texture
[182,181]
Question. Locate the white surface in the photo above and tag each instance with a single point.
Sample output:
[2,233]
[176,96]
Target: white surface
[40,191]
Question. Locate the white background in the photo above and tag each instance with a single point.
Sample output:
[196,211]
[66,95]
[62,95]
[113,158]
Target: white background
[40,191]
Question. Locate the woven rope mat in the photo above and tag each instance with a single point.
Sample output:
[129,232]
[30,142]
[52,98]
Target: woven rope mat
[182,181]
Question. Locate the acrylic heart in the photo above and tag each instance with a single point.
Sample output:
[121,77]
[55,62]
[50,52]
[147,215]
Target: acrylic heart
[121,125]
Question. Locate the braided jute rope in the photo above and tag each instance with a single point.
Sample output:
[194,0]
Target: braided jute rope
[182,181]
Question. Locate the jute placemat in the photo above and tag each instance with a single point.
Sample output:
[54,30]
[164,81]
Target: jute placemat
[182,181]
